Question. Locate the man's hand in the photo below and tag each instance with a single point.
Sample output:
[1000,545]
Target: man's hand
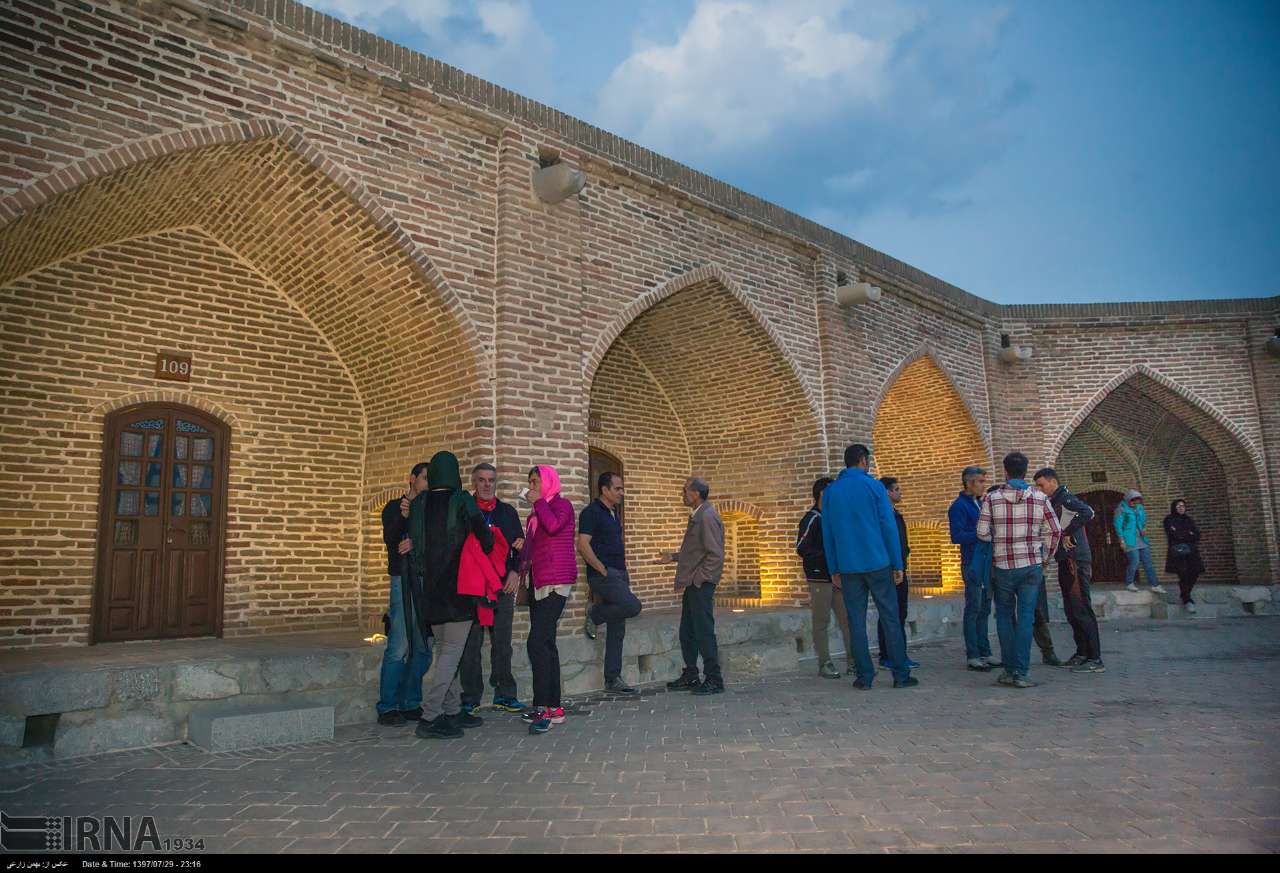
[404,505]
[513,583]
[897,577]
[406,546]
[601,569]
[517,543]
[835,581]
[668,558]
[1068,543]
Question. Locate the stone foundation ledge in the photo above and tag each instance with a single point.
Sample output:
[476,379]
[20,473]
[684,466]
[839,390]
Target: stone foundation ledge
[126,696]
[1212,601]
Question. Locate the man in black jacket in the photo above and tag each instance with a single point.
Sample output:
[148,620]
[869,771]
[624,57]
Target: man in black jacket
[484,485]
[400,681]
[821,590]
[894,488]
[1075,571]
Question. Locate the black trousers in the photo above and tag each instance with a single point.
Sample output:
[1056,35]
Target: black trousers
[1074,579]
[1186,582]
[619,604]
[472,668]
[902,617]
[544,657]
[698,631]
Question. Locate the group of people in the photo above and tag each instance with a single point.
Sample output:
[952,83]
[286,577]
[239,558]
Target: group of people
[460,562]
[854,540]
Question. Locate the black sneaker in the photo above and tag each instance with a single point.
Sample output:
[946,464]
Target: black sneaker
[465,719]
[617,686]
[391,718]
[686,682]
[909,682]
[412,714]
[1051,660]
[1075,661]
[860,685]
[710,686]
[439,728]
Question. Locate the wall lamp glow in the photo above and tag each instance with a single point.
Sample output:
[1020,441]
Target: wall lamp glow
[1012,354]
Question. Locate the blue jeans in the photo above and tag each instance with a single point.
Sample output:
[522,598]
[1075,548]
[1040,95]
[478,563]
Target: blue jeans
[879,584]
[1133,558]
[1016,592]
[977,618]
[400,686]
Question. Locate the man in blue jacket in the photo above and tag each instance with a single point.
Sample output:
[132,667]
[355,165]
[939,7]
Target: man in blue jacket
[962,518]
[864,556]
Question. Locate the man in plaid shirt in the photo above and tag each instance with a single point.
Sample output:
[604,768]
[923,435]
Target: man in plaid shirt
[1020,524]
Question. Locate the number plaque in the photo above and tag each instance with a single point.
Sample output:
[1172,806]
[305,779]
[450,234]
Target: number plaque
[173,366]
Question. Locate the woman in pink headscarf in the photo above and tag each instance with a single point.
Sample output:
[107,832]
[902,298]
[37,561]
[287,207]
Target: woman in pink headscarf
[550,568]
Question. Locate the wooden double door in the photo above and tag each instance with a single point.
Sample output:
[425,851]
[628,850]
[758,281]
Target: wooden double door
[162,525]
[1108,553]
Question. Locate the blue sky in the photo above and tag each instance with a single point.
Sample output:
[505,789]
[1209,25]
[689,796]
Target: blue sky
[1027,152]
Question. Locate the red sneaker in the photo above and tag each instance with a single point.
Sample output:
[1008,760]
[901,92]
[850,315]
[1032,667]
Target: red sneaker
[556,714]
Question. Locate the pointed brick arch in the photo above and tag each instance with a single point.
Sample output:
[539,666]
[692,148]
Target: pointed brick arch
[926,350]
[26,201]
[706,273]
[1183,447]
[923,434]
[1140,370]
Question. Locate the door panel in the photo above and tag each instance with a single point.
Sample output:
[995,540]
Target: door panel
[1108,554]
[161,525]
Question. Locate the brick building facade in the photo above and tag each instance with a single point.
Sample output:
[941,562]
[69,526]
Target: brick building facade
[343,237]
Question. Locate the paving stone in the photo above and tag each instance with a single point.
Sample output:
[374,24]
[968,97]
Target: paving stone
[782,763]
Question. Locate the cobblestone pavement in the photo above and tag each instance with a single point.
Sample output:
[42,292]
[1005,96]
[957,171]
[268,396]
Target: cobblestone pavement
[1172,749]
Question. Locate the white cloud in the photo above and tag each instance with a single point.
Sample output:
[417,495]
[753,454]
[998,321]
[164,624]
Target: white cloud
[741,71]
[854,103]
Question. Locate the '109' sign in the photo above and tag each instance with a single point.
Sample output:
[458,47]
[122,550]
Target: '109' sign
[174,367]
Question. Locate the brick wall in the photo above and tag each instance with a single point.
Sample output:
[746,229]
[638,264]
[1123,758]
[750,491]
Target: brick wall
[387,198]
[79,337]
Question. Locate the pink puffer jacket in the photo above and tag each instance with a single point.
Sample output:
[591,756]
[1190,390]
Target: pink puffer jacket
[549,550]
[549,543]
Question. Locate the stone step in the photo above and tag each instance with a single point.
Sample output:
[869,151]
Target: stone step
[230,728]
[1175,610]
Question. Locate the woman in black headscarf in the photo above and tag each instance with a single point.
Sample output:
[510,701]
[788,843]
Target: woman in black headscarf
[440,519]
[1184,550]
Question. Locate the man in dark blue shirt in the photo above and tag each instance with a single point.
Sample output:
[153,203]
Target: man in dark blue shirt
[962,519]
[601,546]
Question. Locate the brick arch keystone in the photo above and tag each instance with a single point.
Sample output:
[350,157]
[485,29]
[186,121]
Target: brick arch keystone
[25,201]
[651,298]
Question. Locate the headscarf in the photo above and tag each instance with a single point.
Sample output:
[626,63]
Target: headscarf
[550,480]
[442,473]
[1179,522]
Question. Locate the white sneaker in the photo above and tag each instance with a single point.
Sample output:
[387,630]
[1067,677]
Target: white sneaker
[1191,607]
[1131,587]
[1157,589]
